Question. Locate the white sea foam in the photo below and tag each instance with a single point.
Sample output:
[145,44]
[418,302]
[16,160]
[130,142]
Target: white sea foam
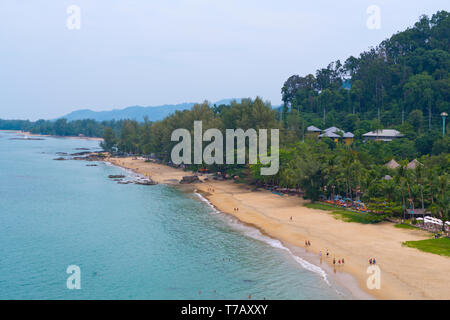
[130,174]
[256,234]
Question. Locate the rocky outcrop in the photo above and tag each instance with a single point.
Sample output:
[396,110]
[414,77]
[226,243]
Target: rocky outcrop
[145,182]
[88,156]
[80,153]
[116,176]
[190,179]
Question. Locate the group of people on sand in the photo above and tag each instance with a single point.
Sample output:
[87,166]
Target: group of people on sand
[339,261]
[210,189]
[372,261]
[307,243]
[236,209]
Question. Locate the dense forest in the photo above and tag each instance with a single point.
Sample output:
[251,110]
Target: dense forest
[406,76]
[403,84]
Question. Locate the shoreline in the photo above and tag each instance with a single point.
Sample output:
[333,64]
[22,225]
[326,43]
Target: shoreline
[337,280]
[29,134]
[406,273]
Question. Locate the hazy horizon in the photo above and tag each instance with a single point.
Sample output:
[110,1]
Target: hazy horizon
[131,53]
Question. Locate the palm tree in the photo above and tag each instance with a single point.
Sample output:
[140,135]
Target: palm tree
[441,206]
[388,187]
[400,180]
[431,177]
[409,185]
[330,173]
[419,180]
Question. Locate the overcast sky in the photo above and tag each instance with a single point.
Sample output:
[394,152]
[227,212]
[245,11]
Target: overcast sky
[165,52]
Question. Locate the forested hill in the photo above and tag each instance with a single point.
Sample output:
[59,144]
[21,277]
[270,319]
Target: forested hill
[135,112]
[153,113]
[405,76]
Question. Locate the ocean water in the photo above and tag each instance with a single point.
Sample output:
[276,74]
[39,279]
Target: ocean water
[130,241]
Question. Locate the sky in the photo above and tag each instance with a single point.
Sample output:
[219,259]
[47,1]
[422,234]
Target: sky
[147,53]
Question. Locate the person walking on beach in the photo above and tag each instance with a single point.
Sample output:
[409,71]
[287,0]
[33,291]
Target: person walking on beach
[373,261]
[309,243]
[334,261]
[342,260]
[328,253]
[370,261]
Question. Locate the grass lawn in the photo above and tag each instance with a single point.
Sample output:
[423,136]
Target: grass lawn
[406,226]
[439,246]
[347,215]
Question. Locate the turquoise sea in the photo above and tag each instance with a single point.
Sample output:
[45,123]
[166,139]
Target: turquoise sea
[130,241]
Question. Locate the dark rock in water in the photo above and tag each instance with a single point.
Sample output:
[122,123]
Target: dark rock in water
[249,280]
[91,165]
[30,139]
[117,176]
[190,179]
[61,153]
[89,156]
[80,153]
[81,148]
[60,158]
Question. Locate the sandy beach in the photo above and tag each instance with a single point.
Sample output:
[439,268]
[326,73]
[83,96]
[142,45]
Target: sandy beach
[406,273]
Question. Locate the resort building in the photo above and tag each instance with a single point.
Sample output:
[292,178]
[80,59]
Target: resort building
[313,131]
[333,129]
[330,134]
[348,138]
[382,135]
[338,135]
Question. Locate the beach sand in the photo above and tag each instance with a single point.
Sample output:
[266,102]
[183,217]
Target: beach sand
[406,273]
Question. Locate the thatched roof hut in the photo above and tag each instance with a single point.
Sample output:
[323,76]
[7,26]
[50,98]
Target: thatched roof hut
[413,164]
[392,164]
